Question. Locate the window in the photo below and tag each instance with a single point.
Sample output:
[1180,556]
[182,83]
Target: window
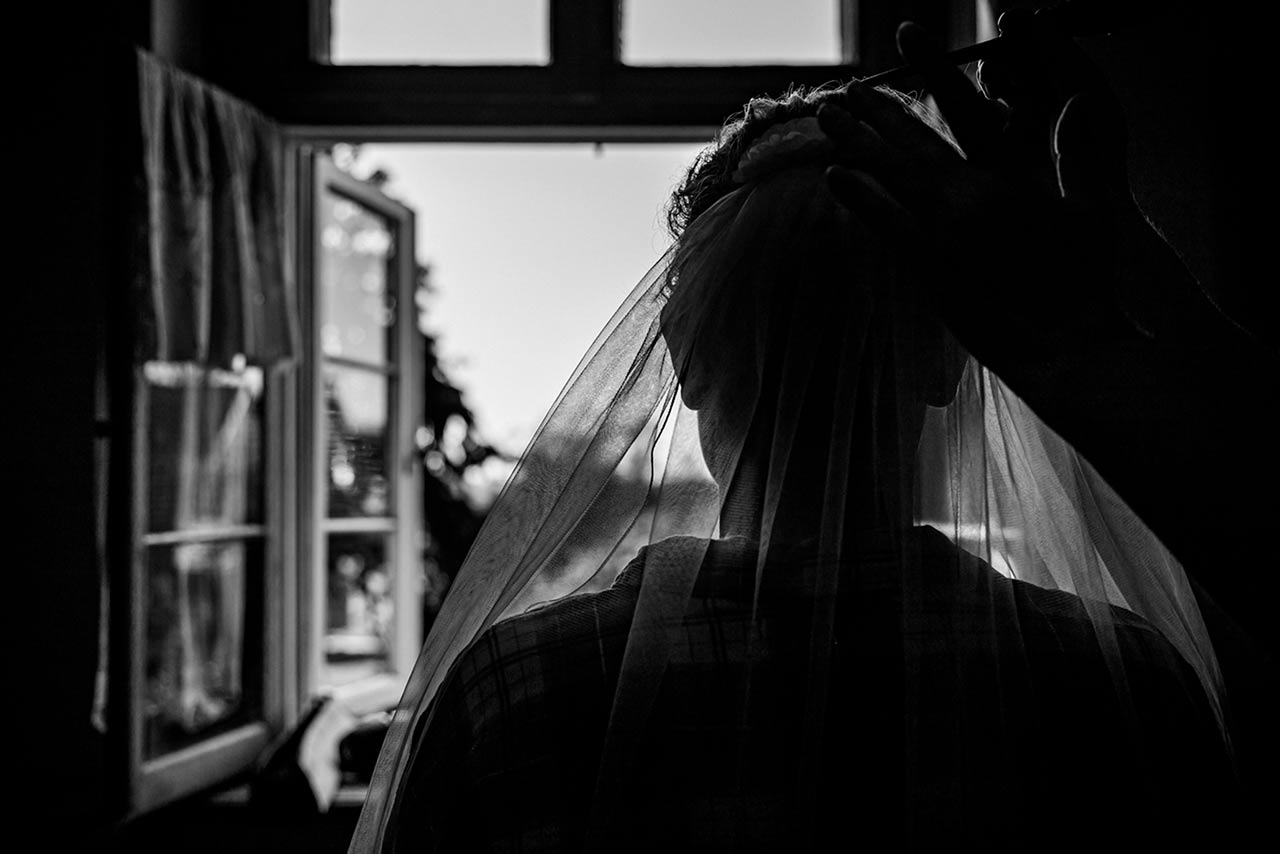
[586,70]
[363,407]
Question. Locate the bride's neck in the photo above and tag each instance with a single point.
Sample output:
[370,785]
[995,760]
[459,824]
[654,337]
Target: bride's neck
[794,498]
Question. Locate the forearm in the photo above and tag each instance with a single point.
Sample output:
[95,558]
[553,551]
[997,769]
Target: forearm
[1167,399]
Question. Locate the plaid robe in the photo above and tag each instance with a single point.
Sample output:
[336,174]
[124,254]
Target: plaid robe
[996,757]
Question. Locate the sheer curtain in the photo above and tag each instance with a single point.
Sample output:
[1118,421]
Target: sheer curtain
[212,280]
[215,311]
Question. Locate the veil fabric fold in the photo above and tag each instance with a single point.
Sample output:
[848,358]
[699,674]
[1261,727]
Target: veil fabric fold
[833,579]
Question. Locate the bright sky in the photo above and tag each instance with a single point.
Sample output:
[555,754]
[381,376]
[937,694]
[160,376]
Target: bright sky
[532,248]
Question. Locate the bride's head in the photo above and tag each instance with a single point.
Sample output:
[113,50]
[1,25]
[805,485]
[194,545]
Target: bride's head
[786,315]
[714,172]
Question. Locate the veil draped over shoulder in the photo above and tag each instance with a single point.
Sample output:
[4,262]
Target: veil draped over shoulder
[784,568]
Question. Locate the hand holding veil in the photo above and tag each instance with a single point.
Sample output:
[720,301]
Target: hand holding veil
[783,569]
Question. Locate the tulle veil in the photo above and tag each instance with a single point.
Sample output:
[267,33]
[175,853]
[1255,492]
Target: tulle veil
[889,574]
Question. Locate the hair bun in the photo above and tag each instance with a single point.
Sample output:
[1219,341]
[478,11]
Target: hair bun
[783,145]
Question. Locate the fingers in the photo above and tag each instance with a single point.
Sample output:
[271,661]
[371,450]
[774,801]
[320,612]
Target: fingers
[1014,22]
[900,128]
[857,142]
[995,78]
[888,116]
[1089,148]
[911,172]
[1038,67]
[969,115]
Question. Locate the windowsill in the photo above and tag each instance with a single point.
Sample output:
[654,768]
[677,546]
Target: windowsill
[348,797]
[185,772]
[377,693]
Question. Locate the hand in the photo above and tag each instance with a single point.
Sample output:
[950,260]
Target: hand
[1024,222]
[1036,73]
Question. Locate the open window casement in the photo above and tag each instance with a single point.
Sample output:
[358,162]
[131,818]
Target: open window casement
[364,522]
[275,532]
[198,695]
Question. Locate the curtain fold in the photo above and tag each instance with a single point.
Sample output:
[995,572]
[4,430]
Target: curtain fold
[213,280]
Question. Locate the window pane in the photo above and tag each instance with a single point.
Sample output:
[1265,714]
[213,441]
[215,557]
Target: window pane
[358,306]
[204,440]
[730,32]
[440,32]
[204,642]
[358,606]
[356,402]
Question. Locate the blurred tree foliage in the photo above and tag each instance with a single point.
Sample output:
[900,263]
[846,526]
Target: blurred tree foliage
[448,446]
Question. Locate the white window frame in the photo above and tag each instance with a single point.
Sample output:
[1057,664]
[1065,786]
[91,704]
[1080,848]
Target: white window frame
[406,528]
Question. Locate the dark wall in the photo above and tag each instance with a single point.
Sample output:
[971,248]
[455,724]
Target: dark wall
[64,124]
[1190,81]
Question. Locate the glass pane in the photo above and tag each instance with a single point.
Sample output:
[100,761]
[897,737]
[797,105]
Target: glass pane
[204,447]
[357,303]
[731,32]
[204,642]
[356,402]
[359,607]
[440,32]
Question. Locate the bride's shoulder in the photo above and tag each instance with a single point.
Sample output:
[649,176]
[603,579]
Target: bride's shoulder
[605,603]
[610,603]
[1060,618]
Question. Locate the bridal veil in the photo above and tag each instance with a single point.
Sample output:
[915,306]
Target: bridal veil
[838,583]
